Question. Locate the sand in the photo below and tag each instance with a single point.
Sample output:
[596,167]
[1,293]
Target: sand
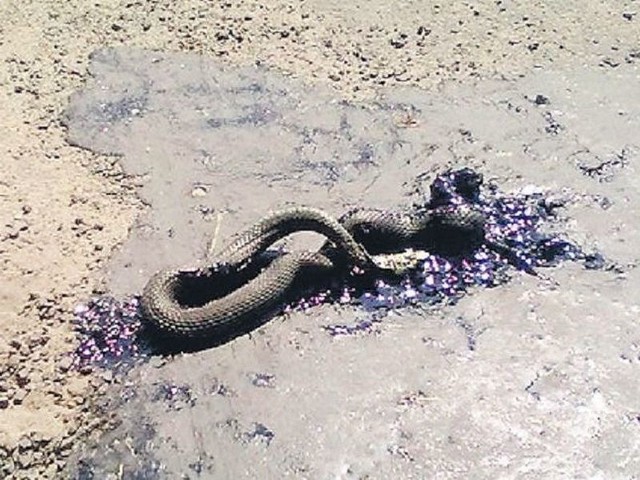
[72,215]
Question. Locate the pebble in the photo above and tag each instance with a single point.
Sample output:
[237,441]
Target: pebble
[96,382]
[23,377]
[41,438]
[24,444]
[51,471]
[199,191]
[8,466]
[24,460]
[19,397]
[65,364]
[541,100]
[65,445]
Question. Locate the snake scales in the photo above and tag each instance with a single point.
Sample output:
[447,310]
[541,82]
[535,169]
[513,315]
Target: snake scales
[251,289]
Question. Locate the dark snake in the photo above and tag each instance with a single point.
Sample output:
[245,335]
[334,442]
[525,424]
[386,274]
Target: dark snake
[251,288]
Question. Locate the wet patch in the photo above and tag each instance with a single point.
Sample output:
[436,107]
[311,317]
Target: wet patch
[215,148]
[110,332]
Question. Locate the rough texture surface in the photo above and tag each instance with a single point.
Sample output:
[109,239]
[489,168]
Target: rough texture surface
[525,380]
[550,386]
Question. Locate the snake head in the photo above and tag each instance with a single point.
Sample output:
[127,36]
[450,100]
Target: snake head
[455,186]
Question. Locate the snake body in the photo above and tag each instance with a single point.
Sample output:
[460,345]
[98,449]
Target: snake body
[249,289]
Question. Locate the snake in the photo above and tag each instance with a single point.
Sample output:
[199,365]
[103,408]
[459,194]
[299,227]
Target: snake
[178,303]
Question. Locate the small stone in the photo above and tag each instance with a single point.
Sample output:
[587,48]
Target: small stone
[96,382]
[530,190]
[4,402]
[25,460]
[65,364]
[24,444]
[23,377]
[199,191]
[19,397]
[541,100]
[24,350]
[65,444]
[51,471]
[8,466]
[263,380]
[41,438]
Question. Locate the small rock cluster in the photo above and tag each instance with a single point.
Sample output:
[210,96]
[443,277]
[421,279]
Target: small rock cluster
[33,452]
[175,397]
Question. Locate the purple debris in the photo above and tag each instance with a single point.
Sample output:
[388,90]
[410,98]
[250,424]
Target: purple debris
[174,396]
[513,221]
[106,330]
[259,432]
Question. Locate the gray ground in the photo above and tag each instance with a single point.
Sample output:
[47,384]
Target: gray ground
[534,379]
[65,211]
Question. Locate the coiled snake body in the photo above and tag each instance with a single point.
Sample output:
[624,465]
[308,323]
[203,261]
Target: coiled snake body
[353,240]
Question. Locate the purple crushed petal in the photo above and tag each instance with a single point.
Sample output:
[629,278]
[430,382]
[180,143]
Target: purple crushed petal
[106,330]
[513,220]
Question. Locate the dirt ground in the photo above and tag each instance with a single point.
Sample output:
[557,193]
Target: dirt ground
[551,392]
